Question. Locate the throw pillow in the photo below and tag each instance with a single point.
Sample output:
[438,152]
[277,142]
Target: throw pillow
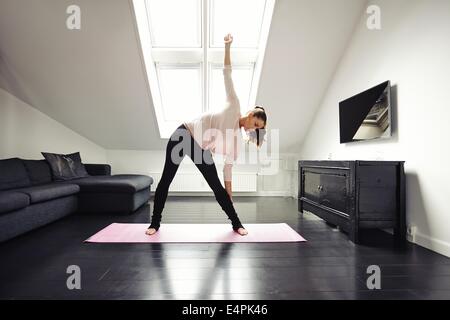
[65,166]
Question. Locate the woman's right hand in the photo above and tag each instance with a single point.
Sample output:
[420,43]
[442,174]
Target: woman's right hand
[228,39]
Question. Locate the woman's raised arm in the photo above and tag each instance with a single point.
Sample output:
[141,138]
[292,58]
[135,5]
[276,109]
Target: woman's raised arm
[228,40]
[228,81]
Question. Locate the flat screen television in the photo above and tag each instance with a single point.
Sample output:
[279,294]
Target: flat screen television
[367,115]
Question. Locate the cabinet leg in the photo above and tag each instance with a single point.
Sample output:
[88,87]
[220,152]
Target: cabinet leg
[300,206]
[354,236]
[400,231]
[400,226]
[331,225]
[400,235]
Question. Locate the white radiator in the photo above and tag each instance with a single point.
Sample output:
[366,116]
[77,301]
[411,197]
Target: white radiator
[194,182]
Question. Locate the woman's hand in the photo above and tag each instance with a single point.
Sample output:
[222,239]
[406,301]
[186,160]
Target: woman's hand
[228,39]
[228,189]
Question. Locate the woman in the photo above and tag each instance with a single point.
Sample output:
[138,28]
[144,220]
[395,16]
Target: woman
[217,132]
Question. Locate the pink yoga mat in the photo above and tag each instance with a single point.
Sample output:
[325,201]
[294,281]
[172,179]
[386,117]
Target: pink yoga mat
[135,233]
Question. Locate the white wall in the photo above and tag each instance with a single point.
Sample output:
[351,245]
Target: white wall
[25,132]
[412,50]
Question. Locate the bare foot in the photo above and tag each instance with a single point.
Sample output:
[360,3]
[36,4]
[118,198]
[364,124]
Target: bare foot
[150,231]
[242,231]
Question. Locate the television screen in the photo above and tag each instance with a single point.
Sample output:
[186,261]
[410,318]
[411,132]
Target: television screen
[367,115]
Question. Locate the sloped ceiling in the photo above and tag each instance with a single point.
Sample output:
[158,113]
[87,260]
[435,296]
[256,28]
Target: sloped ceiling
[93,80]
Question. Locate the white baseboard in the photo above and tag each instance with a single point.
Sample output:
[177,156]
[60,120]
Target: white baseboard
[431,243]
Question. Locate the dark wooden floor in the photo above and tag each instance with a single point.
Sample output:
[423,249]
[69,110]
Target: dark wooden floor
[328,266]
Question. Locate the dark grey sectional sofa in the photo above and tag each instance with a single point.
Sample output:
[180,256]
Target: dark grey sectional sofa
[30,198]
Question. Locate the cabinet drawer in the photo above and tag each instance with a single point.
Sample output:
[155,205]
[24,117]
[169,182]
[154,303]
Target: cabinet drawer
[333,191]
[327,189]
[311,187]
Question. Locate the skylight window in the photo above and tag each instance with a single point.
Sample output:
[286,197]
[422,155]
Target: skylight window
[180,88]
[183,50]
[242,80]
[175,23]
[242,18]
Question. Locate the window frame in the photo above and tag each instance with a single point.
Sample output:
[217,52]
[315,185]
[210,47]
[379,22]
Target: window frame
[212,29]
[199,28]
[176,66]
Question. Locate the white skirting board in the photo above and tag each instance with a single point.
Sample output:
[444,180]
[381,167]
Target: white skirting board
[431,243]
[194,182]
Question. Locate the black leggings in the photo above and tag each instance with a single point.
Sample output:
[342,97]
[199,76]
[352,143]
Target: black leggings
[181,144]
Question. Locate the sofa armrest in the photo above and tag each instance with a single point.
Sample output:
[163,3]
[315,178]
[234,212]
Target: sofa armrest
[98,169]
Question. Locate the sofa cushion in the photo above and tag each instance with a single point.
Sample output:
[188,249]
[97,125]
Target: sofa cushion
[49,191]
[13,174]
[120,183]
[65,166]
[97,169]
[38,171]
[11,201]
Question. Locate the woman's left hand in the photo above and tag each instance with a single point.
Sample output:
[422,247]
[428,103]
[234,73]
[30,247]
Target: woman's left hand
[230,195]
[228,189]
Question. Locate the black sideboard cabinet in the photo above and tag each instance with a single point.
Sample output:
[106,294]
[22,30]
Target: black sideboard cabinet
[355,195]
